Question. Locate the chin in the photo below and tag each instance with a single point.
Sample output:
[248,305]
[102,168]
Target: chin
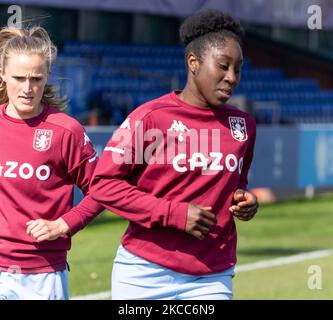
[219,103]
[26,110]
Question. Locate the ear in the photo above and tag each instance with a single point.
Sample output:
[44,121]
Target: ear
[192,63]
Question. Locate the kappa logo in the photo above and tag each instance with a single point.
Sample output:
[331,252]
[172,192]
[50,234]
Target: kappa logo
[238,128]
[42,139]
[178,126]
[86,139]
[126,124]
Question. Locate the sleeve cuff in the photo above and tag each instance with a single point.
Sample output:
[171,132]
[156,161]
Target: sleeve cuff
[73,221]
[178,215]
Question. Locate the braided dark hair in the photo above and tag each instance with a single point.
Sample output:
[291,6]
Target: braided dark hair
[209,27]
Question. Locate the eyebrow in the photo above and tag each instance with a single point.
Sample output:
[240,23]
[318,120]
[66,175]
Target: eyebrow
[30,76]
[227,56]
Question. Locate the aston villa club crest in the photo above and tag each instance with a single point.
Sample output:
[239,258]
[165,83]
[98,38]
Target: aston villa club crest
[42,140]
[238,128]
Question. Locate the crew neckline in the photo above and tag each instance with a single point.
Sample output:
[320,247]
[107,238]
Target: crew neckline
[174,95]
[24,121]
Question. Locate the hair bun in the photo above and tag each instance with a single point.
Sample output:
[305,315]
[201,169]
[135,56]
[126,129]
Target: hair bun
[205,22]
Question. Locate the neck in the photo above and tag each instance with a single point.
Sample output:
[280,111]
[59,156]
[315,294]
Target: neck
[191,96]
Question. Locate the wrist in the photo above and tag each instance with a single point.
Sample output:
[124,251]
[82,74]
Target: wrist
[62,226]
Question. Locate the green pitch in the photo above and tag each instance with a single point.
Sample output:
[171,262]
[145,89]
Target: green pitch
[279,230]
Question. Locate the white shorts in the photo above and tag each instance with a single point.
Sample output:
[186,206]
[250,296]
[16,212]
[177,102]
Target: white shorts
[38,286]
[136,278]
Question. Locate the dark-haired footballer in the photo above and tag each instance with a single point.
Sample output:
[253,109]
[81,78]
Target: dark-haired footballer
[177,170]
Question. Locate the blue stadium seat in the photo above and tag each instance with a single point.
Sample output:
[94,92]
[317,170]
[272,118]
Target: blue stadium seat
[127,75]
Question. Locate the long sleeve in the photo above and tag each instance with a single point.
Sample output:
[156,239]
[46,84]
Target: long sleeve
[81,160]
[114,182]
[82,214]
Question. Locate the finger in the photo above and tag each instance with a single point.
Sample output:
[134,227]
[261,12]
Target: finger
[239,195]
[198,234]
[247,209]
[35,227]
[208,223]
[240,192]
[244,216]
[31,224]
[247,204]
[241,214]
[38,232]
[202,228]
[233,208]
[243,219]
[31,230]
[34,221]
[208,213]
[43,238]
[209,216]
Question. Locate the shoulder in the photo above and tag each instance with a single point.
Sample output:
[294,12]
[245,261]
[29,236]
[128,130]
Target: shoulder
[233,111]
[63,121]
[153,107]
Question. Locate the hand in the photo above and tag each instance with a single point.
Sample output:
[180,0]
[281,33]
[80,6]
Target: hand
[42,230]
[199,220]
[245,206]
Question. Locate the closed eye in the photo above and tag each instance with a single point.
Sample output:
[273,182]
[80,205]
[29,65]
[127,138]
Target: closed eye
[19,78]
[33,79]
[224,67]
[36,79]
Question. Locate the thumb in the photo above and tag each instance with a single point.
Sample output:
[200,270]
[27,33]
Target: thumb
[239,195]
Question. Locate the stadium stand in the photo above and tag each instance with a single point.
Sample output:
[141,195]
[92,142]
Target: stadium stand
[112,79]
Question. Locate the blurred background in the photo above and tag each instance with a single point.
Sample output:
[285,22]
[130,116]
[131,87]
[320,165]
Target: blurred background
[116,55]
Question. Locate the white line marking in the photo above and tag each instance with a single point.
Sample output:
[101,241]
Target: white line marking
[283,261]
[241,268]
[118,150]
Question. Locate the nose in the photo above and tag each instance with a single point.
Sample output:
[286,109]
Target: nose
[27,86]
[231,77]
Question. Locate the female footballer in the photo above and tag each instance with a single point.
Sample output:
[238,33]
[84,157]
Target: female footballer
[177,170]
[43,153]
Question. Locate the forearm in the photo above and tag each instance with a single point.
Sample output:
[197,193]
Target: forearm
[81,215]
[140,207]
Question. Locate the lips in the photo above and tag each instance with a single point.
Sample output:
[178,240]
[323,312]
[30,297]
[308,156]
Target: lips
[25,100]
[226,91]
